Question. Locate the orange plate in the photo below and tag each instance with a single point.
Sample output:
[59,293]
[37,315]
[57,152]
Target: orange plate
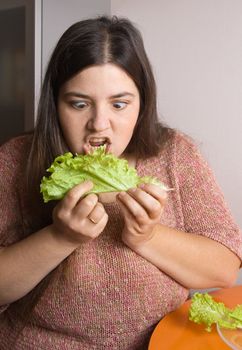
[176,332]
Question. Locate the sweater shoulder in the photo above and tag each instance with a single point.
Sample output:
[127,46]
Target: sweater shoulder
[180,141]
[15,150]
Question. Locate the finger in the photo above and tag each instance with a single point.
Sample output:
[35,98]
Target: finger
[103,222]
[97,213]
[96,229]
[127,214]
[73,196]
[85,206]
[133,206]
[155,191]
[151,205]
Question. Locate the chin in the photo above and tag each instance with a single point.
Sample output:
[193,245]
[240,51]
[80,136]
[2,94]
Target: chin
[108,197]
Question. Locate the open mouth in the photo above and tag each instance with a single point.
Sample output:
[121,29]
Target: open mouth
[95,142]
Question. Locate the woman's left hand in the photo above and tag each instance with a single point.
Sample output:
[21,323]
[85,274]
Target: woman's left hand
[142,208]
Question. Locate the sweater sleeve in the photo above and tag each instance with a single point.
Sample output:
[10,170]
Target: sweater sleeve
[204,208]
[10,213]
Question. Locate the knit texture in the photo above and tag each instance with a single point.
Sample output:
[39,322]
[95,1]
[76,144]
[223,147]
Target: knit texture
[113,298]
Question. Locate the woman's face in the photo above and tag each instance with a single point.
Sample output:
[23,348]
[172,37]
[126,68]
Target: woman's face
[100,105]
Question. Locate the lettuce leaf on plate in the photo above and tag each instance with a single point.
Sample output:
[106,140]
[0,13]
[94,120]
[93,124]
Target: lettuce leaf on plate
[107,172]
[204,309]
[236,313]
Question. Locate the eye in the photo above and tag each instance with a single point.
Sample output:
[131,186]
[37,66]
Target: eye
[119,104]
[79,104]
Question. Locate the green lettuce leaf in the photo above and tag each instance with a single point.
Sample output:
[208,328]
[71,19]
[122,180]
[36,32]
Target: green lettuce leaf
[204,309]
[107,172]
[236,313]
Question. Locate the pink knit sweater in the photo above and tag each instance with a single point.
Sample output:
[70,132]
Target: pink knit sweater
[113,298]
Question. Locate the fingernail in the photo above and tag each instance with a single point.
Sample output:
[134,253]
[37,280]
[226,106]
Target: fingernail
[121,194]
[132,190]
[88,182]
[142,186]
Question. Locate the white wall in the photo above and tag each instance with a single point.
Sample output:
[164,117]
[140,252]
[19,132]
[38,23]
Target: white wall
[58,15]
[196,51]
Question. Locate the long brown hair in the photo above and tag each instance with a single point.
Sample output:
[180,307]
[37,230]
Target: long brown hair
[92,42]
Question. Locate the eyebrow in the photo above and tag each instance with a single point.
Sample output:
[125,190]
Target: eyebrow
[78,94]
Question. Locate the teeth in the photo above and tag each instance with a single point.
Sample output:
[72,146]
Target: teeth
[93,143]
[97,140]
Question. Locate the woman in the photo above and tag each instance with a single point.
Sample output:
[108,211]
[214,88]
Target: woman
[92,272]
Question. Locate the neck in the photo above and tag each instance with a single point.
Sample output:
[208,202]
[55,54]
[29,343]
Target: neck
[131,158]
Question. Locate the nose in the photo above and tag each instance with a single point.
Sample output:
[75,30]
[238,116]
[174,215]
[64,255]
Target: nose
[99,119]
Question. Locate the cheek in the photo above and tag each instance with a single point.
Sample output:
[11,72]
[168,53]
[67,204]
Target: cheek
[128,127]
[70,123]
[66,128]
[69,129]
[63,123]
[62,116]
[133,119]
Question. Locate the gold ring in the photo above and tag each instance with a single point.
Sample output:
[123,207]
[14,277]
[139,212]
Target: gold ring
[93,221]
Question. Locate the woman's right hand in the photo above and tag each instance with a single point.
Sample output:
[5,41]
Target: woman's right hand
[25,263]
[78,219]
